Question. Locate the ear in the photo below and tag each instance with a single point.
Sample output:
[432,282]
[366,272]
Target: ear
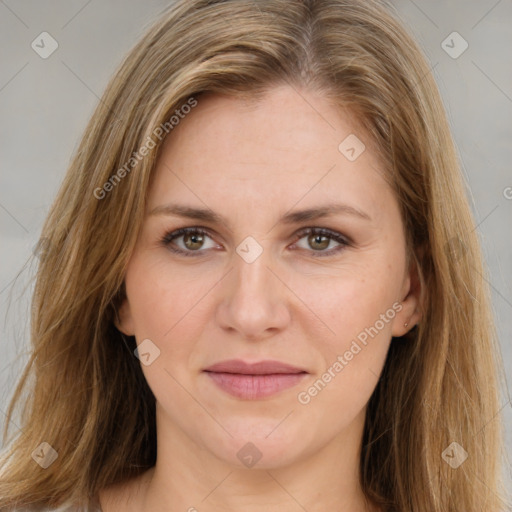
[410,313]
[124,319]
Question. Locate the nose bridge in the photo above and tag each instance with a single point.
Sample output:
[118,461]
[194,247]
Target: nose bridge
[252,272]
[253,301]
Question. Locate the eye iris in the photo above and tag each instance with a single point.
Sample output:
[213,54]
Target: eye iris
[196,239]
[314,238]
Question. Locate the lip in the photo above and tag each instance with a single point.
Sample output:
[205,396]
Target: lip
[266,367]
[252,381]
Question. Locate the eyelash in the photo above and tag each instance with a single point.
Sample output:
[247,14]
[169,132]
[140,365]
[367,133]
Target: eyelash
[333,235]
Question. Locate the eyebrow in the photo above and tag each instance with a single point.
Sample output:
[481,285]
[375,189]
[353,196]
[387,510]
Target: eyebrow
[294,217]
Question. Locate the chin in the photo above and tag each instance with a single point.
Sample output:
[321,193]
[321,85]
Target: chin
[258,444]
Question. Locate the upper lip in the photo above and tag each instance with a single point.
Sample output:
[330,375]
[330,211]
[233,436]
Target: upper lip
[266,367]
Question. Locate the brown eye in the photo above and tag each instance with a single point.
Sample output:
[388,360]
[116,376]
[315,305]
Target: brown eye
[193,241]
[318,242]
[187,241]
[319,239]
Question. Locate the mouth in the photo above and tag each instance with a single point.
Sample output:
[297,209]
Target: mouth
[253,381]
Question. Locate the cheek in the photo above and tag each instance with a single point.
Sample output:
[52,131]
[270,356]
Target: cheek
[167,307]
[344,303]
[158,297]
[352,358]
[351,327]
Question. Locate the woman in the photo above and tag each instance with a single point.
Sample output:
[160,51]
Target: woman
[260,286]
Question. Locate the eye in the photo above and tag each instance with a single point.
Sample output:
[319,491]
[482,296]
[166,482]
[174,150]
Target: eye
[320,238]
[193,240]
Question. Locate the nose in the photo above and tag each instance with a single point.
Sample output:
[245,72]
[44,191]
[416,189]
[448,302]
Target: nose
[254,298]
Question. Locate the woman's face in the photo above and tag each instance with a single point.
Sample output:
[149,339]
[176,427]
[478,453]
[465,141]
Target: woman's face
[263,283]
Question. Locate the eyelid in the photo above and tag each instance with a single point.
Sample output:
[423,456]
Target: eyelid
[171,235]
[343,240]
[324,231]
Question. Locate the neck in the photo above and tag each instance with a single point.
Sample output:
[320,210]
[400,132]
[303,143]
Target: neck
[188,477]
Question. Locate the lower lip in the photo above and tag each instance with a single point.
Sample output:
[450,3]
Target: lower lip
[253,387]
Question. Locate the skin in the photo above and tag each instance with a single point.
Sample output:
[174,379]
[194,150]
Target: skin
[252,164]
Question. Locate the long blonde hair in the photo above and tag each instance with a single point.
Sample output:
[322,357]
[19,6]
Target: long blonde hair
[88,398]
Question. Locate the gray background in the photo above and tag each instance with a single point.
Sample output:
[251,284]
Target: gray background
[45,104]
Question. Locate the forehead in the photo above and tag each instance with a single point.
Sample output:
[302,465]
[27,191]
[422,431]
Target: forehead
[288,146]
[283,118]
